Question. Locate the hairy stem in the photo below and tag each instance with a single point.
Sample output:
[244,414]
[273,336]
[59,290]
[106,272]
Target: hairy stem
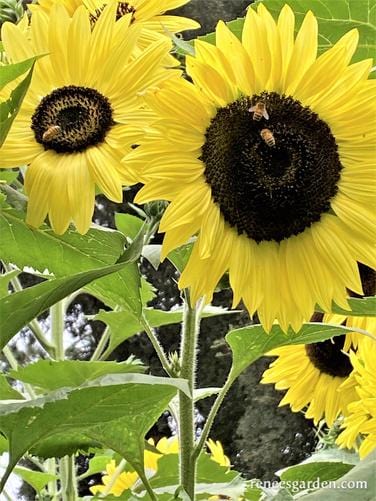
[212,414]
[68,479]
[190,331]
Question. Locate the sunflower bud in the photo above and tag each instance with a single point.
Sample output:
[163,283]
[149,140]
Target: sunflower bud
[11,10]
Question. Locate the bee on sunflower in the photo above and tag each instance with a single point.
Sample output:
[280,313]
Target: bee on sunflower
[82,111]
[286,212]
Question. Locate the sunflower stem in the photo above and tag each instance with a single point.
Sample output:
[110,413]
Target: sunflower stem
[57,329]
[68,479]
[156,345]
[212,414]
[190,332]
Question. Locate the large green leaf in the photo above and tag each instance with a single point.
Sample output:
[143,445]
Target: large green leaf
[360,307]
[10,107]
[18,309]
[301,475]
[335,18]
[71,253]
[116,411]
[123,324]
[250,343]
[359,484]
[51,375]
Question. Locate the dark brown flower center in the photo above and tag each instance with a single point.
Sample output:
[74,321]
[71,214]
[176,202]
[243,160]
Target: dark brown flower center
[123,8]
[328,358]
[271,177]
[71,119]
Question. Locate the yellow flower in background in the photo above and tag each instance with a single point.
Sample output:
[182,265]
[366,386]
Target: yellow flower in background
[360,425]
[81,112]
[312,375]
[148,14]
[268,158]
[217,453]
[126,480]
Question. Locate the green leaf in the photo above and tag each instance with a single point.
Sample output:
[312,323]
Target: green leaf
[10,72]
[7,392]
[335,18]
[211,477]
[116,411]
[4,281]
[359,484]
[123,324]
[71,253]
[128,224]
[252,493]
[51,375]
[250,343]
[298,477]
[179,257]
[37,479]
[18,309]
[10,107]
[360,307]
[8,175]
[97,464]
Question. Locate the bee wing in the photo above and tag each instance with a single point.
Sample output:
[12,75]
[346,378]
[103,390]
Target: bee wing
[252,108]
[265,114]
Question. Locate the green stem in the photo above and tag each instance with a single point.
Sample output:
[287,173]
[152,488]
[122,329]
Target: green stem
[101,345]
[52,485]
[190,331]
[157,346]
[212,414]
[57,329]
[68,479]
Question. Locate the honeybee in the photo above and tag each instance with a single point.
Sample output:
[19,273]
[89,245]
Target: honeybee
[259,111]
[52,132]
[268,137]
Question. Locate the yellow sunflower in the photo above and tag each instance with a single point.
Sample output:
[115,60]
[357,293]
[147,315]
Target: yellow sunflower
[312,375]
[148,14]
[81,113]
[267,156]
[360,425]
[217,453]
[127,480]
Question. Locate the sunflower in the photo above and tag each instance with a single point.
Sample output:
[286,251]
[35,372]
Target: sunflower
[360,425]
[81,112]
[312,375]
[267,157]
[148,14]
[127,480]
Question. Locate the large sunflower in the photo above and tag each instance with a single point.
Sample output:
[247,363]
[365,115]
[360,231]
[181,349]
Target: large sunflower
[360,425]
[81,112]
[280,197]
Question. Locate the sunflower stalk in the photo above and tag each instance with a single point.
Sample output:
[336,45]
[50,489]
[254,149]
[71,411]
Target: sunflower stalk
[190,333]
[68,479]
